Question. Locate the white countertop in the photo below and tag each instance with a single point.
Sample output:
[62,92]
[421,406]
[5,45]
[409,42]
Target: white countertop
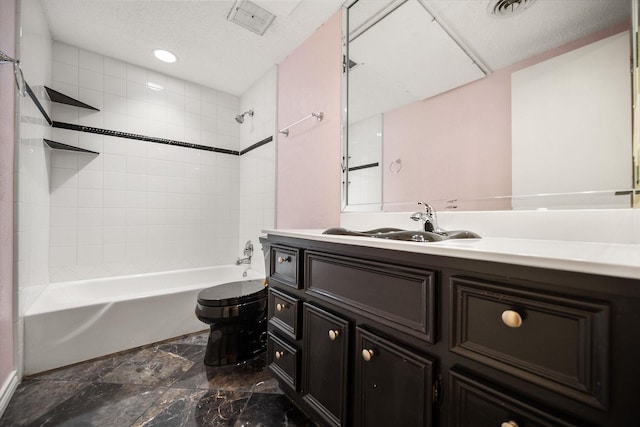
[610,259]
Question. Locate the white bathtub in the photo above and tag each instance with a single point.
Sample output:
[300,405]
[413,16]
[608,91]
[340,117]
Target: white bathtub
[75,321]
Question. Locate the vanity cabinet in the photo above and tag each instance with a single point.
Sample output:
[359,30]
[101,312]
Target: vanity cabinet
[365,336]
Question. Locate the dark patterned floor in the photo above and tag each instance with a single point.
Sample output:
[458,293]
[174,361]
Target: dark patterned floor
[161,385]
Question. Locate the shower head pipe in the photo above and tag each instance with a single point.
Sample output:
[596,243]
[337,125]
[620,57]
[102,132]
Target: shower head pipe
[240,117]
[17,71]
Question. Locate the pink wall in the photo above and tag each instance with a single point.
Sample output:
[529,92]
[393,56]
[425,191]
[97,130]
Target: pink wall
[7,113]
[308,160]
[458,144]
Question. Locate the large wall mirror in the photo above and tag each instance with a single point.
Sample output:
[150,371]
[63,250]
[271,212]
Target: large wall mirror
[488,105]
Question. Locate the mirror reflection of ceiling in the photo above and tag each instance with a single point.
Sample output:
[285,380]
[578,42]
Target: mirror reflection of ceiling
[491,42]
[442,63]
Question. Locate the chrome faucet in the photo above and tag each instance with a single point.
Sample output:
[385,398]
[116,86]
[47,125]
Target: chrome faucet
[248,253]
[429,218]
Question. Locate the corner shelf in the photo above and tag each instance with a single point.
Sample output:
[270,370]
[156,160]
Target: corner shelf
[60,146]
[61,98]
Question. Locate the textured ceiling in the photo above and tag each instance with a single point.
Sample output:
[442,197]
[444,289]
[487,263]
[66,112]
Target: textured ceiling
[211,50]
[224,56]
[546,24]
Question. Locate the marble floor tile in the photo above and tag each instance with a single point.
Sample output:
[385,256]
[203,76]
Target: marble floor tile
[150,366]
[242,376]
[268,386]
[191,408]
[87,371]
[194,353]
[34,399]
[102,404]
[163,384]
[199,338]
[271,410]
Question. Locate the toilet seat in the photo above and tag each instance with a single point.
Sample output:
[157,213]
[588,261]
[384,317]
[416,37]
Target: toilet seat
[230,302]
[233,293]
[237,315]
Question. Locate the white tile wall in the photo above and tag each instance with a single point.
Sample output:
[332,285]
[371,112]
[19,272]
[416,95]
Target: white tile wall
[140,206]
[258,167]
[32,200]
[365,146]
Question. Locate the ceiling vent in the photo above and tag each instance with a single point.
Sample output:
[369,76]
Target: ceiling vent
[251,16]
[507,8]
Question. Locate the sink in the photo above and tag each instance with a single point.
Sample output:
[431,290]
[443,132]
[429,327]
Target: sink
[460,234]
[411,236]
[404,235]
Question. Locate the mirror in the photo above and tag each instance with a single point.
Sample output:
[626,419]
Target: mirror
[455,104]
[635,21]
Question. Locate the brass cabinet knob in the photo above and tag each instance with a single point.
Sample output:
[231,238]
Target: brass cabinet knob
[282,260]
[333,334]
[511,318]
[509,423]
[367,354]
[279,354]
[280,307]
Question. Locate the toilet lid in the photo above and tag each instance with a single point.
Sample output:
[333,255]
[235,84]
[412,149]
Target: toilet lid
[233,293]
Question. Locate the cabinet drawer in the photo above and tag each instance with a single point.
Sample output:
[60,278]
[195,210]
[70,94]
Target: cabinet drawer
[283,360]
[401,296]
[558,343]
[285,266]
[284,312]
[474,403]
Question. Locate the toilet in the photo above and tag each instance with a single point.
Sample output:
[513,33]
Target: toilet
[237,315]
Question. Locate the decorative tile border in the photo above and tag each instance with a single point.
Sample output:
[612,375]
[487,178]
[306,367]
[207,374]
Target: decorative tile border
[119,134]
[257,145]
[369,165]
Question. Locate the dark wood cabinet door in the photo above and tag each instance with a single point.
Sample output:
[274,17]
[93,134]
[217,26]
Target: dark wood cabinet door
[324,378]
[394,386]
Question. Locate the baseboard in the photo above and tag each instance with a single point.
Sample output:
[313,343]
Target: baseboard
[7,390]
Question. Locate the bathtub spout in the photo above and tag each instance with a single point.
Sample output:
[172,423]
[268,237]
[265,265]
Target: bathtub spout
[241,261]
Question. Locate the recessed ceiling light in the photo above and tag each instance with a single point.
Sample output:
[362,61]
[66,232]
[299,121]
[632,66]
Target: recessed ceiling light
[164,55]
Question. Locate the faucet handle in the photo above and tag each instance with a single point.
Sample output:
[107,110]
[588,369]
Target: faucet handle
[430,221]
[427,208]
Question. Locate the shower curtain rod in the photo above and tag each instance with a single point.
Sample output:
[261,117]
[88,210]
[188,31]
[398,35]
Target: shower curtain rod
[17,71]
[285,131]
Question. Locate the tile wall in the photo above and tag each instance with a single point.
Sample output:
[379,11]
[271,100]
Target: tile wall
[32,164]
[140,206]
[8,301]
[258,166]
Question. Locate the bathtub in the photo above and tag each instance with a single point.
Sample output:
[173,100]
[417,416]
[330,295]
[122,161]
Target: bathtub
[75,321]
